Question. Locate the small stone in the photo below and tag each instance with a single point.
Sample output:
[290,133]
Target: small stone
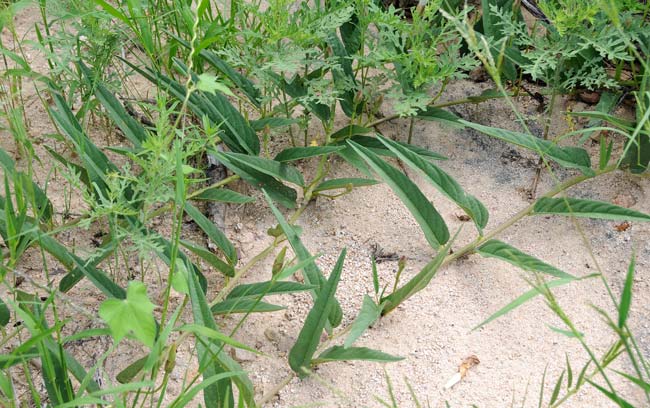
[242,355]
[590,97]
[478,74]
[272,334]
[624,200]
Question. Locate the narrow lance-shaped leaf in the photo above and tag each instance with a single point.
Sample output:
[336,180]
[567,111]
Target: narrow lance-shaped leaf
[268,288]
[213,232]
[244,305]
[368,315]
[571,157]
[312,274]
[432,225]
[626,296]
[270,167]
[338,353]
[442,181]
[500,250]
[301,354]
[297,153]
[587,208]
[344,183]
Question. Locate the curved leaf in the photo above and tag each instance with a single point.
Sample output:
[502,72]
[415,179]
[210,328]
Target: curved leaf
[434,227]
[297,153]
[500,250]
[587,208]
[344,183]
[239,305]
[223,195]
[213,232]
[368,315]
[338,353]
[300,355]
[268,288]
[270,167]
[442,181]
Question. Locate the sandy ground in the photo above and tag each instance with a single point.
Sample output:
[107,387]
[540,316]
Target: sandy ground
[433,330]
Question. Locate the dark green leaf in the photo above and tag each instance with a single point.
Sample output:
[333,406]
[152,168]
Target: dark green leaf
[556,389]
[350,131]
[223,195]
[129,373]
[434,227]
[268,288]
[4,314]
[500,250]
[612,396]
[210,258]
[571,157]
[440,115]
[269,167]
[626,296]
[645,386]
[297,153]
[587,208]
[344,183]
[239,305]
[301,354]
[213,232]
[338,353]
[272,122]
[442,181]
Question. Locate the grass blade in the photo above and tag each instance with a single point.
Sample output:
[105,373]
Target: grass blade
[297,153]
[587,208]
[268,288]
[338,353]
[213,232]
[626,296]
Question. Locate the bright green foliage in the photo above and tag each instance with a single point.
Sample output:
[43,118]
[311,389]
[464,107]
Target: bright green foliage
[132,316]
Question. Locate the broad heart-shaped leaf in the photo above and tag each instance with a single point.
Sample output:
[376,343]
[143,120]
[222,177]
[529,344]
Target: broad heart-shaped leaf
[442,181]
[213,232]
[587,208]
[344,183]
[237,133]
[368,315]
[268,288]
[279,192]
[301,354]
[223,195]
[434,227]
[500,250]
[571,157]
[132,130]
[272,168]
[312,274]
[133,315]
[338,353]
[297,153]
[417,283]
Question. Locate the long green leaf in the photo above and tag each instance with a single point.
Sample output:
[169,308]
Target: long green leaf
[268,288]
[5,315]
[368,315]
[416,283]
[239,305]
[587,208]
[626,296]
[213,232]
[301,354]
[525,298]
[440,115]
[223,195]
[312,275]
[344,183]
[210,258]
[432,225]
[612,396]
[442,181]
[571,157]
[297,153]
[338,353]
[270,167]
[500,250]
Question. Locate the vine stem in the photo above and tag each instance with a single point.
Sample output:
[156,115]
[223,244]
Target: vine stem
[459,253]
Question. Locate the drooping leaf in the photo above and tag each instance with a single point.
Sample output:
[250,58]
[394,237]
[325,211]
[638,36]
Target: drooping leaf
[206,332]
[500,250]
[301,354]
[350,131]
[270,167]
[213,232]
[129,373]
[268,288]
[612,396]
[368,315]
[312,274]
[439,115]
[133,315]
[279,192]
[587,208]
[432,225]
[571,157]
[272,122]
[344,183]
[210,258]
[338,353]
[626,296]
[5,315]
[239,305]
[442,181]
[297,153]
[223,195]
